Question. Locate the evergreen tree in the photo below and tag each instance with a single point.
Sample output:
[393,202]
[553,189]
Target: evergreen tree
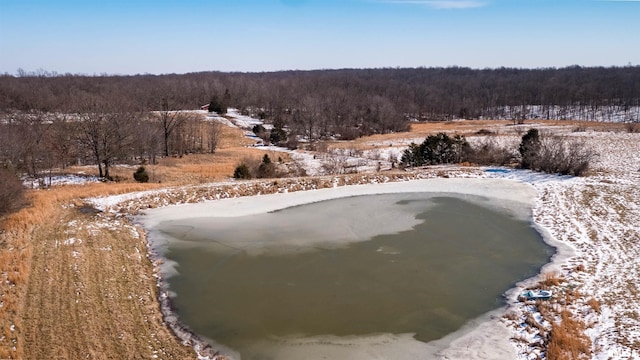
[278,135]
[530,149]
[436,149]
[141,175]
[226,101]
[412,156]
[266,169]
[258,129]
[242,172]
[218,106]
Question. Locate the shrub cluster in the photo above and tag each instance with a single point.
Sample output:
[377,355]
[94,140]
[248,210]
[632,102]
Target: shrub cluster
[141,175]
[242,172]
[555,154]
[436,149]
[490,152]
[250,169]
[266,169]
[546,153]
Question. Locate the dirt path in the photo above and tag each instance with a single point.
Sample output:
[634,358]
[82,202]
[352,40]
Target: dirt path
[90,293]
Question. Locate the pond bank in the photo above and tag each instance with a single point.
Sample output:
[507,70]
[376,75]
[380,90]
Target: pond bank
[489,335]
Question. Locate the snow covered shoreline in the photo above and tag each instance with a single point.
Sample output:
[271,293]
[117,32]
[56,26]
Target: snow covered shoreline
[597,216]
[488,334]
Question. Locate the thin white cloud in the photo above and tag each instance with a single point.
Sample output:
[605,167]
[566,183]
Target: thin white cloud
[442,4]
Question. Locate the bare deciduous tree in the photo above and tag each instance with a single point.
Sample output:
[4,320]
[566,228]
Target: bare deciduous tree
[61,141]
[11,191]
[562,155]
[107,136]
[147,141]
[214,135]
[169,121]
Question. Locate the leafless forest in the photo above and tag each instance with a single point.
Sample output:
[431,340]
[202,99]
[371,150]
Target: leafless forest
[70,272]
[54,120]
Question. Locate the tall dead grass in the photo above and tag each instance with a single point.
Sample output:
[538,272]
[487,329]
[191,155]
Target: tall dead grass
[192,168]
[16,250]
[595,305]
[567,339]
[551,279]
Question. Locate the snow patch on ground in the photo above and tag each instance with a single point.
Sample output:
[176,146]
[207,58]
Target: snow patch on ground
[597,218]
[243,121]
[588,113]
[106,203]
[55,180]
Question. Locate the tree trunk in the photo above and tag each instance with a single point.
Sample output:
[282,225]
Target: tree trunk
[166,143]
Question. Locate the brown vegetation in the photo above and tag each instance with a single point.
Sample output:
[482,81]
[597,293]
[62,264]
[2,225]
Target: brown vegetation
[595,305]
[36,273]
[72,299]
[97,297]
[551,279]
[348,94]
[567,340]
[561,334]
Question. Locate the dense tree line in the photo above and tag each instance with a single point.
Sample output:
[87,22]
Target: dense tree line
[50,120]
[348,102]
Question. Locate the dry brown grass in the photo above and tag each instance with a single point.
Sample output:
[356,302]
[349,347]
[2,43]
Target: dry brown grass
[100,303]
[55,305]
[567,340]
[62,301]
[423,129]
[195,168]
[468,127]
[207,168]
[551,279]
[571,296]
[511,315]
[594,304]
[531,321]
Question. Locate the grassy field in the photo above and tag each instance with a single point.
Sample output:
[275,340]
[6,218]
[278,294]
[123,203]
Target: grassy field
[73,289]
[78,284]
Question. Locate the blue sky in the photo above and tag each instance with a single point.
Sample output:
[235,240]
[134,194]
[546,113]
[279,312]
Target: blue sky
[162,36]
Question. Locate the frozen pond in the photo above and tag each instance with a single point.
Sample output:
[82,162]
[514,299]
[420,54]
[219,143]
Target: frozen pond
[340,274]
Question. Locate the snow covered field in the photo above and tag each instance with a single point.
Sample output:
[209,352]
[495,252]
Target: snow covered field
[599,217]
[54,180]
[595,220]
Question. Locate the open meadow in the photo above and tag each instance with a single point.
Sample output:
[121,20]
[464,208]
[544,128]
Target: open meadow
[79,281]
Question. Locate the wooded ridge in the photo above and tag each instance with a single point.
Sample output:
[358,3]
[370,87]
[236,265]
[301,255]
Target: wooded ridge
[50,121]
[349,95]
